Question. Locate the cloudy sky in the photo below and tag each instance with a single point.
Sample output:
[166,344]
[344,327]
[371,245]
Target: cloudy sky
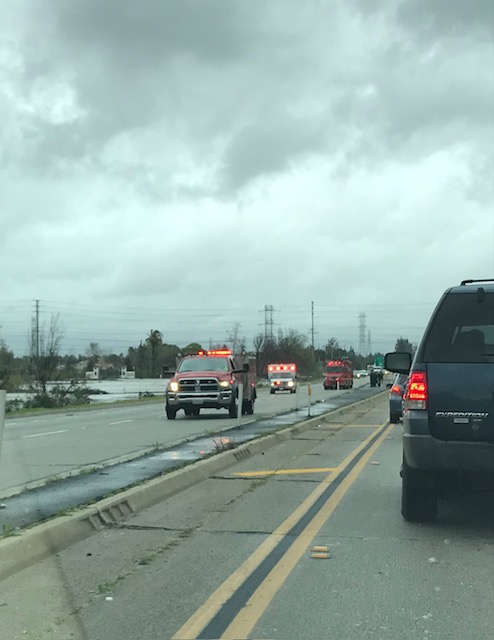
[180,164]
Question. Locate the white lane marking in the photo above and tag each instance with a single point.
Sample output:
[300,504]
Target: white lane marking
[120,422]
[46,433]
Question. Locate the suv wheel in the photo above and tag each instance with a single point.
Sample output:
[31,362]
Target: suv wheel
[171,413]
[418,495]
[394,418]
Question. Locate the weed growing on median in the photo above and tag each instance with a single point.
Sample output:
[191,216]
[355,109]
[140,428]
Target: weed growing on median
[224,444]
[255,484]
[109,585]
[65,512]
[9,530]
[88,470]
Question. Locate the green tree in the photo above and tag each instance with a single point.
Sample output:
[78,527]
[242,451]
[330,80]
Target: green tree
[403,344]
[193,347]
[288,346]
[154,340]
[7,366]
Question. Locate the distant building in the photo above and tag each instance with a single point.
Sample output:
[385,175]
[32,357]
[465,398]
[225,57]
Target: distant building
[94,374]
[125,374]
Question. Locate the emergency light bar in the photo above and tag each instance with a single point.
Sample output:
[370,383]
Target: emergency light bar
[221,352]
[282,367]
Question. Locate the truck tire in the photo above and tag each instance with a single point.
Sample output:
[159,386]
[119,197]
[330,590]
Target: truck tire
[232,408]
[195,411]
[418,496]
[248,407]
[272,392]
[171,412]
[394,418]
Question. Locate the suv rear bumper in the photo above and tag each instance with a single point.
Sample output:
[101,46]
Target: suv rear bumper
[430,454]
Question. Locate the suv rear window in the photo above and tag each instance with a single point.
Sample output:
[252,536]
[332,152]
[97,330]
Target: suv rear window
[462,330]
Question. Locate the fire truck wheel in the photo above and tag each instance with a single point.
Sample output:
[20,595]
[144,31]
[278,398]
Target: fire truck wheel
[232,409]
[248,407]
[271,391]
[171,413]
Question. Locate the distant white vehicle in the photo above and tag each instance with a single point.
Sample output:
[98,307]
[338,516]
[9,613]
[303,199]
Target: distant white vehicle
[360,373]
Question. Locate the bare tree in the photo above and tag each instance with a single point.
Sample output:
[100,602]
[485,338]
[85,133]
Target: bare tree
[94,350]
[45,354]
[259,343]
[236,341]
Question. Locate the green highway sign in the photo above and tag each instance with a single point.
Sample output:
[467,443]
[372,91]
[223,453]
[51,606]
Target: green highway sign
[379,361]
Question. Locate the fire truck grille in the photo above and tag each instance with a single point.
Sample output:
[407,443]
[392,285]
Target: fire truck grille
[195,385]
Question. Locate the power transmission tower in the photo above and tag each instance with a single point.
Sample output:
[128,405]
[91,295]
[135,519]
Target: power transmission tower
[369,344]
[362,332]
[268,322]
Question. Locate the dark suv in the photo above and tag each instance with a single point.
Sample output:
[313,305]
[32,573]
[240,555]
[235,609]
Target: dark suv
[448,409]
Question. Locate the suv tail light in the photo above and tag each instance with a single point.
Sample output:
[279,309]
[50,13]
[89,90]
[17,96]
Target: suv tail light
[416,393]
[396,389]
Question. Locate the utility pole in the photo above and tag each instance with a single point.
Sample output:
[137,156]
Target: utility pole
[312,324]
[36,328]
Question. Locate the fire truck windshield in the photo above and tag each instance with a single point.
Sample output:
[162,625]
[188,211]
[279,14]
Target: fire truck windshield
[203,364]
[335,369]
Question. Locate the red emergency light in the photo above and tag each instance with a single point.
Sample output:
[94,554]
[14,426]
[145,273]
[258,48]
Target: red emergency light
[220,352]
[282,367]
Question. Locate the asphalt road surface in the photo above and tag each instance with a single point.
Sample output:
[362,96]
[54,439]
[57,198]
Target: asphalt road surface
[232,557]
[41,447]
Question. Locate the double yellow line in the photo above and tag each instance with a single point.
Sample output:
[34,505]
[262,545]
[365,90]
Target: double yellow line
[251,611]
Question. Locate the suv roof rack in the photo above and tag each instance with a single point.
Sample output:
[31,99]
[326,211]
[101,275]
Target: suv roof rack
[463,282]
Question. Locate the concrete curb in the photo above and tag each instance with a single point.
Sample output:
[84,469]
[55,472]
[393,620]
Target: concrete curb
[46,539]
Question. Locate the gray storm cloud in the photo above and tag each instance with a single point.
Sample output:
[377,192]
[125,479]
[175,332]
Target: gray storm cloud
[150,140]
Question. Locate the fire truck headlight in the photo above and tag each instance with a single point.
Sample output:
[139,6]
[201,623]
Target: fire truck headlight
[225,384]
[173,387]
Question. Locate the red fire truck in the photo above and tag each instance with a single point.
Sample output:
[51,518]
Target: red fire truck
[211,380]
[282,377]
[338,374]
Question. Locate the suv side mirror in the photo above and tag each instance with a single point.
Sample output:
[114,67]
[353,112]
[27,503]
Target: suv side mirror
[398,362]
